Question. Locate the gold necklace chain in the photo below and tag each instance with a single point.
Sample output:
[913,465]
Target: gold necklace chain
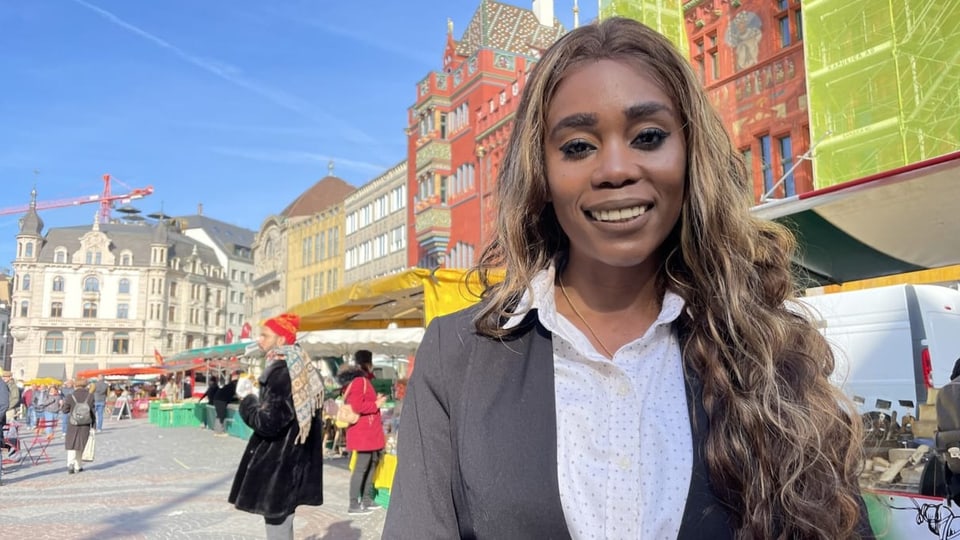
[583,320]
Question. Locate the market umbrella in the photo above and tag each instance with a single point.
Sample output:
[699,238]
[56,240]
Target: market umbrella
[126,371]
[898,221]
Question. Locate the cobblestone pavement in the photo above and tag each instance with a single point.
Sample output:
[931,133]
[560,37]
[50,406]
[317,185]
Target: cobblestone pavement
[150,482]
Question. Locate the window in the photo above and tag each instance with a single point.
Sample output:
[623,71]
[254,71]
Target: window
[25,282]
[784,25]
[124,286]
[126,259]
[60,256]
[123,311]
[89,310]
[87,343]
[766,163]
[28,251]
[91,284]
[172,314]
[173,289]
[786,164]
[798,18]
[714,54]
[24,308]
[93,257]
[57,284]
[53,343]
[121,343]
[56,309]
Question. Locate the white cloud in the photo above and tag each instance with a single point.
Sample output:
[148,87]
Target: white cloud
[298,156]
[233,75]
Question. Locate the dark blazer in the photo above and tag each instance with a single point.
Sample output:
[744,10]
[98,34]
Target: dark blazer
[477,454]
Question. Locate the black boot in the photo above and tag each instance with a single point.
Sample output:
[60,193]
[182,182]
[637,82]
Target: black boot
[357,509]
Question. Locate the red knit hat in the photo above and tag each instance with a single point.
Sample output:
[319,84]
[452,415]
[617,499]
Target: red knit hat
[285,325]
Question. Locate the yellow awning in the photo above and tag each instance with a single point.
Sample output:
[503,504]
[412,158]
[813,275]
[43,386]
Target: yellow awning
[408,299]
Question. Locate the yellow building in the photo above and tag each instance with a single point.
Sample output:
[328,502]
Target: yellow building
[315,241]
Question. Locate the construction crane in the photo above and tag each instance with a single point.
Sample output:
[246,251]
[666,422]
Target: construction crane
[105,199]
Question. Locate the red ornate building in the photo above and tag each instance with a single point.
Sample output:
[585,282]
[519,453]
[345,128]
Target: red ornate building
[749,54]
[459,125]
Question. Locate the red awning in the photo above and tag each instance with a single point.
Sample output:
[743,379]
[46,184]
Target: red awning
[126,371]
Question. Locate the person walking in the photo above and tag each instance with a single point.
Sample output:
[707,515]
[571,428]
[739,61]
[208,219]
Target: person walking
[4,405]
[282,466]
[100,389]
[365,437]
[225,395]
[78,426]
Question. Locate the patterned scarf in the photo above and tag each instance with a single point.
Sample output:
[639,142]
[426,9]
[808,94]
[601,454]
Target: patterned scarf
[306,384]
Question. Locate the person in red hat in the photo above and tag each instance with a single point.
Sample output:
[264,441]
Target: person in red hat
[282,466]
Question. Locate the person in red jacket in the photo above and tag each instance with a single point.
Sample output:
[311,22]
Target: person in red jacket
[365,437]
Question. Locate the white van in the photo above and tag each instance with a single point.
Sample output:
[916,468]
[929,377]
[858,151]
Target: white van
[891,343]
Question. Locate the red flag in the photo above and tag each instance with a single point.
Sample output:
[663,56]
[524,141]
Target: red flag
[245,331]
[229,337]
[157,357]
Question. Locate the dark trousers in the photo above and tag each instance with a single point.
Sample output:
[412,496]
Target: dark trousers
[221,408]
[362,477]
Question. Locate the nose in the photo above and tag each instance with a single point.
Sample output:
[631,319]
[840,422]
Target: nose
[616,166]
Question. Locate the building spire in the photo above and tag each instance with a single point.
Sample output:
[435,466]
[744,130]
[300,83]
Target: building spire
[576,14]
[449,26]
[330,168]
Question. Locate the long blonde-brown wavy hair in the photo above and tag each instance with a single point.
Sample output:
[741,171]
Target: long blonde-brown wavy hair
[782,448]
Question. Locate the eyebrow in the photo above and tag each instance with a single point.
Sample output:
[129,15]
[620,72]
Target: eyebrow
[645,110]
[635,112]
[578,120]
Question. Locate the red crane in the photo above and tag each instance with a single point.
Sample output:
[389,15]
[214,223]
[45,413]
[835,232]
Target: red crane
[106,200]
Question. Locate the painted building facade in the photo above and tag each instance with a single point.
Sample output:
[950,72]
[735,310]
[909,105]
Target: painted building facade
[749,56]
[458,125]
[376,227]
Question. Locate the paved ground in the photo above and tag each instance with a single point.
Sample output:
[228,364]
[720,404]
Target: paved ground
[150,482]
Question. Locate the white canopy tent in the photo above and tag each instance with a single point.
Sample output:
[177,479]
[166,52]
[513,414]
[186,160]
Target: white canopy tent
[388,341]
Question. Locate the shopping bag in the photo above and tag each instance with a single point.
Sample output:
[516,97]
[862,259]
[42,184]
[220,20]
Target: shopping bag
[90,448]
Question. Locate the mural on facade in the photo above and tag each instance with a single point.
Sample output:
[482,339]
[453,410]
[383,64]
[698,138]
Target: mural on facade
[744,35]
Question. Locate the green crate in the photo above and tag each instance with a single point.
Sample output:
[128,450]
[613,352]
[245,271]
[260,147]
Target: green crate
[382,498]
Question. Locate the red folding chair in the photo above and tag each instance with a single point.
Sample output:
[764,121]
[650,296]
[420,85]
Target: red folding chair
[36,449]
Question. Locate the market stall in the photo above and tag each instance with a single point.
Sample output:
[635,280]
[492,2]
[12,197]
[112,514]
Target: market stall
[388,316]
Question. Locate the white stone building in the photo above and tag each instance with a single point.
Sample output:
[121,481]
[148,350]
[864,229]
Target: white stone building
[111,295]
[376,227]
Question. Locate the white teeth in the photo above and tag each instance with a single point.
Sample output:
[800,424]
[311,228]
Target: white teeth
[622,214]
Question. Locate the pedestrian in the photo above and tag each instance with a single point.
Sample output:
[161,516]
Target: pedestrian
[78,429]
[365,437]
[27,399]
[282,466]
[639,372]
[4,406]
[211,392]
[100,389]
[66,392]
[225,395]
[49,408]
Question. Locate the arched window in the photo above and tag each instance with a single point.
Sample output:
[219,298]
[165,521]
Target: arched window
[89,310]
[25,282]
[91,284]
[24,308]
[28,250]
[53,343]
[57,284]
[124,286]
[60,255]
[126,259]
[121,343]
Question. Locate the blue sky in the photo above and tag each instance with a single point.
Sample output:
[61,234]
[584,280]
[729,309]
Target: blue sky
[236,104]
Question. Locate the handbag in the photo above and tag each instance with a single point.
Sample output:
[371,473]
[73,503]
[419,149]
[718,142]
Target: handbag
[346,416]
[90,448]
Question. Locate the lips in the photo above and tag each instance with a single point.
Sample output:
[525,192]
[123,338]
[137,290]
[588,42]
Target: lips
[618,214]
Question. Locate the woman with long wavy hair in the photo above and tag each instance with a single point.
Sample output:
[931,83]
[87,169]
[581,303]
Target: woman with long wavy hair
[639,372]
